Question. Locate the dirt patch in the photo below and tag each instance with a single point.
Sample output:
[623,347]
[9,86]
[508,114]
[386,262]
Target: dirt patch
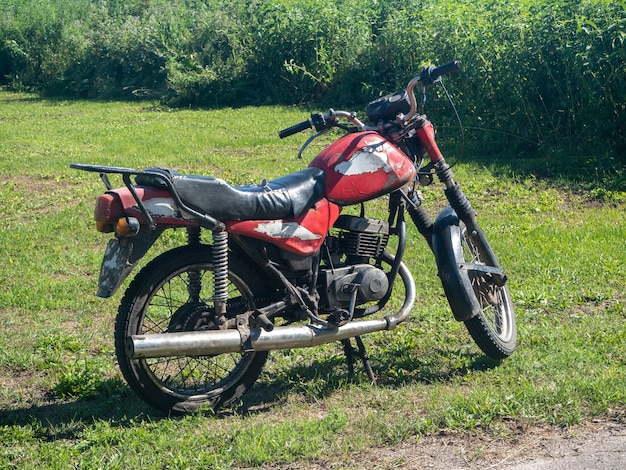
[34,183]
[27,198]
[599,444]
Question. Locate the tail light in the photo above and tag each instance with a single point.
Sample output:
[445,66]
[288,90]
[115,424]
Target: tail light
[110,217]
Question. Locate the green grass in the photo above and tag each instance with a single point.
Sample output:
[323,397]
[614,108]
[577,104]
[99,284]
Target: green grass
[63,403]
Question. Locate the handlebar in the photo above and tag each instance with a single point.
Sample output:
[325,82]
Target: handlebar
[321,122]
[301,126]
[427,77]
[430,75]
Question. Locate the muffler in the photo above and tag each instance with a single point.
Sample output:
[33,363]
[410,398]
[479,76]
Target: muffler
[213,342]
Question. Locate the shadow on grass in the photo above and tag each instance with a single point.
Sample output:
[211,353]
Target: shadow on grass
[322,377]
[582,167]
[577,170]
[113,401]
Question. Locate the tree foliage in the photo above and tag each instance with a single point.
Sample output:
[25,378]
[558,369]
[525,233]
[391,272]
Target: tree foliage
[552,71]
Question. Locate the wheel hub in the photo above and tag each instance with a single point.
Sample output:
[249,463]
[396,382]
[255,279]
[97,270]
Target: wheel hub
[485,289]
[193,316]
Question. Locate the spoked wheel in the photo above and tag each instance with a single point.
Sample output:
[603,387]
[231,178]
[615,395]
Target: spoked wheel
[493,328]
[173,294]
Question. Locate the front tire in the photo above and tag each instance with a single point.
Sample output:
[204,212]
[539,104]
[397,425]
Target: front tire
[475,285]
[173,293]
[494,329]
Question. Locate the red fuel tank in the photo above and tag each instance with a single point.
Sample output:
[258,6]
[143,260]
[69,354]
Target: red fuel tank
[362,166]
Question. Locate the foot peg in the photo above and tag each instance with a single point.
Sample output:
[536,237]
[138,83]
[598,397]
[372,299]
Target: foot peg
[339,317]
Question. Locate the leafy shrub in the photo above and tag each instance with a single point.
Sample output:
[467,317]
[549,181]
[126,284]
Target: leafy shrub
[207,66]
[550,72]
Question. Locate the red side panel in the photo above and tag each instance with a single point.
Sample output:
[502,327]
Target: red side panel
[362,166]
[303,235]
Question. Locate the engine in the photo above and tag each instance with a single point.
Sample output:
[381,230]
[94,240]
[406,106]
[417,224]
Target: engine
[369,283]
[355,241]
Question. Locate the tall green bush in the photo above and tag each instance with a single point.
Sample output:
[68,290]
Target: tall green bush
[551,72]
[216,46]
[29,34]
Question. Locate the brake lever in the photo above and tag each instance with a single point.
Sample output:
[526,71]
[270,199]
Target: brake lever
[311,139]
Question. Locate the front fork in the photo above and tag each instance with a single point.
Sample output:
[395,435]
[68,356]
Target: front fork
[442,235]
[457,199]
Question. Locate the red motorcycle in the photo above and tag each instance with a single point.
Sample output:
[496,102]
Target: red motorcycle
[285,268]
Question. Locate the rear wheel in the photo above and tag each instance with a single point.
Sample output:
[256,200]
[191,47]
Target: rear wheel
[171,294]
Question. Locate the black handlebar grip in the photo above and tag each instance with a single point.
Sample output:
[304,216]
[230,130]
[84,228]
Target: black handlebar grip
[431,74]
[302,126]
[445,69]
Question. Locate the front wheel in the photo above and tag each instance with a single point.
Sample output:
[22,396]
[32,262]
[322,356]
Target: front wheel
[475,285]
[493,328]
[173,293]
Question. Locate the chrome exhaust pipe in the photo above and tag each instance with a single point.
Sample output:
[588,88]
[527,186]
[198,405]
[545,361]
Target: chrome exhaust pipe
[213,342]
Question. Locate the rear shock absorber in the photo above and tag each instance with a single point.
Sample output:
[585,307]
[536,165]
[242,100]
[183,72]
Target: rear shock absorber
[220,273]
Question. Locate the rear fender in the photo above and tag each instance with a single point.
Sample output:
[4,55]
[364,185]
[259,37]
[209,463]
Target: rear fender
[120,257]
[449,256]
[123,253]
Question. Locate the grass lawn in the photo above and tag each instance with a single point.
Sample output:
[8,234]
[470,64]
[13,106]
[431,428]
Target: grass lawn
[63,403]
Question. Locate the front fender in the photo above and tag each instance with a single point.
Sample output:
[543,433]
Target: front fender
[120,257]
[448,252]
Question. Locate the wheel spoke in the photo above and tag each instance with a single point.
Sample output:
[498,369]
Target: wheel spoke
[187,375]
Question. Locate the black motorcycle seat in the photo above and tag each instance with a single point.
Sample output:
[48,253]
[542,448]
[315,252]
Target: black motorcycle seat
[285,197]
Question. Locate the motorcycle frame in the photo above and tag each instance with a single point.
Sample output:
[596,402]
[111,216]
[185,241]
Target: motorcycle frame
[401,199]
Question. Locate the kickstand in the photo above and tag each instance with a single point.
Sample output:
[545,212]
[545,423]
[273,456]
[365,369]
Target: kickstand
[349,351]
[366,359]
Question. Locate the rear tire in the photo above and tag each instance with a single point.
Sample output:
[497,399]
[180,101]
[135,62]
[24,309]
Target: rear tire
[173,293]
